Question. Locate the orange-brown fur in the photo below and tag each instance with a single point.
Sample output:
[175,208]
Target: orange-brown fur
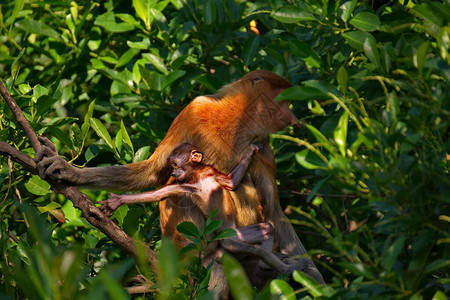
[223,126]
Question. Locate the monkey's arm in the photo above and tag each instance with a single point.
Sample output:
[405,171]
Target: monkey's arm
[110,205]
[260,233]
[270,259]
[151,172]
[232,180]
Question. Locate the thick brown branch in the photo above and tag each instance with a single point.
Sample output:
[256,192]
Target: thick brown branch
[17,156]
[20,117]
[92,213]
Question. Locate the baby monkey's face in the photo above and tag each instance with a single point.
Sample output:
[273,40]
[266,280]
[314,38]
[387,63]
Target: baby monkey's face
[178,169]
[184,164]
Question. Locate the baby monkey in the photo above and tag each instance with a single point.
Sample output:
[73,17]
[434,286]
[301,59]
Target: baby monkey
[206,184]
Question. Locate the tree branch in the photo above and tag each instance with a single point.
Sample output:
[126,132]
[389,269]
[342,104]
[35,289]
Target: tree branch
[92,213]
[17,156]
[20,117]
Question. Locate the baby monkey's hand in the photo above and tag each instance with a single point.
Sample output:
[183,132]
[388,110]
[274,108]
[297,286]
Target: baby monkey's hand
[110,205]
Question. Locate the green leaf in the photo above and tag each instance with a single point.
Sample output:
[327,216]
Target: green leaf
[237,279]
[156,61]
[49,207]
[24,88]
[439,295]
[101,131]
[174,75]
[142,8]
[316,188]
[168,266]
[366,21]
[306,53]
[437,265]
[371,50]
[212,226]
[356,39]
[321,138]
[63,137]
[125,135]
[310,284]
[37,27]
[283,289]
[224,234]
[315,107]
[23,250]
[358,269]
[89,113]
[75,135]
[126,57]
[392,105]
[108,22]
[39,91]
[420,57]
[342,79]
[142,45]
[142,154]
[340,133]
[292,14]
[301,93]
[426,11]
[210,12]
[37,186]
[310,160]
[91,152]
[18,6]
[251,47]
[188,229]
[391,254]
[346,9]
[118,141]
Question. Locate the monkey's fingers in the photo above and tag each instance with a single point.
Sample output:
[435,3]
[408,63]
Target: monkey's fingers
[255,148]
[45,141]
[104,208]
[44,152]
[44,165]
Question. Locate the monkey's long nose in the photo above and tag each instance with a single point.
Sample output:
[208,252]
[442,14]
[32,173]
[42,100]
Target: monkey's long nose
[294,121]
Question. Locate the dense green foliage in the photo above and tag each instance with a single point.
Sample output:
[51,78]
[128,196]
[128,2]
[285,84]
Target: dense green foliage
[365,179]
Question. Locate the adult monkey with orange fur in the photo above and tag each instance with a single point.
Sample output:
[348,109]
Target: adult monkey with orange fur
[223,125]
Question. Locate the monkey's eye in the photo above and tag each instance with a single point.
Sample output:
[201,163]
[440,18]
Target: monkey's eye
[256,80]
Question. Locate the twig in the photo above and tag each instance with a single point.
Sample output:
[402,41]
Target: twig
[13,237]
[317,209]
[92,213]
[141,289]
[343,196]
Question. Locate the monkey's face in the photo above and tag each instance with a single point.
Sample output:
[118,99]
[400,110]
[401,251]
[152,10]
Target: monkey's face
[284,117]
[178,169]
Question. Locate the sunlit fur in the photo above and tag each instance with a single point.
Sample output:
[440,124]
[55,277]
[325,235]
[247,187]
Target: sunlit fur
[223,126]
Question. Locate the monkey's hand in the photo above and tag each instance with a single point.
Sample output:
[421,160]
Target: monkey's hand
[110,205]
[254,148]
[53,167]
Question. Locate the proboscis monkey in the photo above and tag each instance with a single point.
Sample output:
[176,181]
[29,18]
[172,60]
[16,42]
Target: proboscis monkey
[206,186]
[224,126]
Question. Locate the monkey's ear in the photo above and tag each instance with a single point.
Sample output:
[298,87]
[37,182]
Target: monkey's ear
[196,156]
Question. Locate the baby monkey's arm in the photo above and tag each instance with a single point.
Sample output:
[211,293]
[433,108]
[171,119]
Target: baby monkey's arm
[232,180]
[110,205]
